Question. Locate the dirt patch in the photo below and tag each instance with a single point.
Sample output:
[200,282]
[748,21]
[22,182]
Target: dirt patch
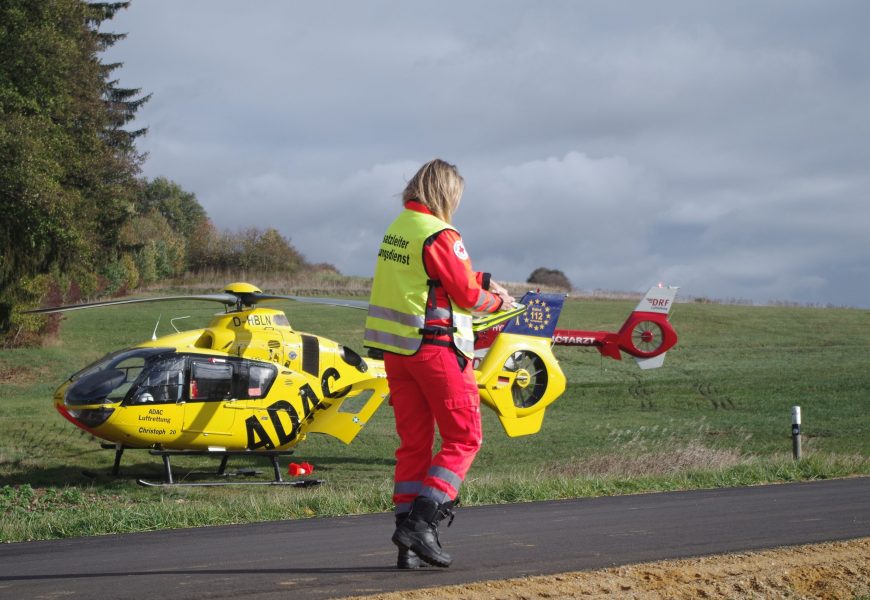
[677,458]
[19,375]
[826,571]
[25,375]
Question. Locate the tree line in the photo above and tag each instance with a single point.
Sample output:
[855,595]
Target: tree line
[76,217]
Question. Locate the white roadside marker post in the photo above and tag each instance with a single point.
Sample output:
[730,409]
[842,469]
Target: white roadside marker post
[796,432]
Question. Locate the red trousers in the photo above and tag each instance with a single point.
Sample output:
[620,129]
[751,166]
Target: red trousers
[428,388]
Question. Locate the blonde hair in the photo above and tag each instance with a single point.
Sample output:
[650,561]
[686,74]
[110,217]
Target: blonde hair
[438,186]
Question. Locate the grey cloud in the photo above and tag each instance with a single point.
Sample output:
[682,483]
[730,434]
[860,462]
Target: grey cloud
[718,146]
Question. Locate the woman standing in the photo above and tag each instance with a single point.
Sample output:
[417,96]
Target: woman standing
[423,295]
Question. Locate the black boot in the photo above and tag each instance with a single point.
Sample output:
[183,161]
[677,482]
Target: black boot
[419,532]
[407,558]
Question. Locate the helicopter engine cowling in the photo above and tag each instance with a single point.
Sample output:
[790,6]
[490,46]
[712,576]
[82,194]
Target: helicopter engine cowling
[519,384]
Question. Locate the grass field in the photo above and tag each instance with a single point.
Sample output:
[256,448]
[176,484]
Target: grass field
[717,414]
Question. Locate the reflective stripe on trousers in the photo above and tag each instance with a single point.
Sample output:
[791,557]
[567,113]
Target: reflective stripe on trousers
[404,490]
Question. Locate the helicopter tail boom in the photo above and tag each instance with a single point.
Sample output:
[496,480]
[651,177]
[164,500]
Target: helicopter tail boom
[646,334]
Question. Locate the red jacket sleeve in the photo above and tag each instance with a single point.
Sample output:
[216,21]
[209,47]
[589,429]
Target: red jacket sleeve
[447,261]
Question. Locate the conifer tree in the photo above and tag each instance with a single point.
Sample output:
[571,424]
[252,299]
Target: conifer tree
[121,103]
[67,167]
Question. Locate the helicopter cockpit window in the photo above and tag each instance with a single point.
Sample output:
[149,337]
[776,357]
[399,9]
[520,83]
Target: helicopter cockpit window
[131,367]
[109,379]
[211,381]
[133,357]
[163,382]
[260,378]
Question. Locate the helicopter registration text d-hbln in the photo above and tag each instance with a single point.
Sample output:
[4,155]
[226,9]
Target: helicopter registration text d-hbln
[250,383]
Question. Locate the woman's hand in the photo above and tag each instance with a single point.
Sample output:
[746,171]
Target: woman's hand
[507,301]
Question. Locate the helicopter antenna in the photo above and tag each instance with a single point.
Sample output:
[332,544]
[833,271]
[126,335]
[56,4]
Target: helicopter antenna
[154,334]
[172,322]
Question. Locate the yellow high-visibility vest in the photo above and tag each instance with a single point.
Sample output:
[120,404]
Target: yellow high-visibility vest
[397,308]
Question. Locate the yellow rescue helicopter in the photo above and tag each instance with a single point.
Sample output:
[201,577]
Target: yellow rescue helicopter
[250,383]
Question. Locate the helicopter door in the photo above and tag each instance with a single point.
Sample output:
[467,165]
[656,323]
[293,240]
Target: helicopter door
[211,407]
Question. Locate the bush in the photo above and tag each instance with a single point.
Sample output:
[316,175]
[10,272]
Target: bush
[115,275]
[146,261]
[22,329]
[549,277]
[131,272]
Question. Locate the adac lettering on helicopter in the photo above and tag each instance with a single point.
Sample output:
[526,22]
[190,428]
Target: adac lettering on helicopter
[332,374]
[258,437]
[154,422]
[155,418]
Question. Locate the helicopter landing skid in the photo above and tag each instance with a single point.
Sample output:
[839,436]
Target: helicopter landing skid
[273,455]
[295,483]
[169,480]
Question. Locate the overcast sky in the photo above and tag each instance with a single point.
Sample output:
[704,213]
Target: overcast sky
[720,146]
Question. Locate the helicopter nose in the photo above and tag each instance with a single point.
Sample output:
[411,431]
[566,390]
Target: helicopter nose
[91,417]
[87,417]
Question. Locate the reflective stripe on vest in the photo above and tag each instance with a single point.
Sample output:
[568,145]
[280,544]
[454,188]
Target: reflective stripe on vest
[463,337]
[397,309]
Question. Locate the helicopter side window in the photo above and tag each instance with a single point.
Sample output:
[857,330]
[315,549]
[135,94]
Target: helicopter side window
[260,378]
[211,381]
[162,383]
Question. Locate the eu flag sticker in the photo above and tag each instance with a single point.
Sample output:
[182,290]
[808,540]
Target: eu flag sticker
[539,319]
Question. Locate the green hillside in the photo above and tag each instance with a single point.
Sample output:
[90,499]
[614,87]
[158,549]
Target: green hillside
[717,414]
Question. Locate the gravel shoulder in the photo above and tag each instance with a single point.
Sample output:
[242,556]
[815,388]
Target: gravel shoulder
[837,570]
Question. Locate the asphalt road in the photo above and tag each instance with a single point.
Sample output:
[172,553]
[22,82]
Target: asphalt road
[326,558]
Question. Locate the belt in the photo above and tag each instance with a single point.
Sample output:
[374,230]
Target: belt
[434,341]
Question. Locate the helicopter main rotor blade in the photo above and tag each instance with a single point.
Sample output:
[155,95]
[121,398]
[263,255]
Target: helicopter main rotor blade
[312,300]
[227,299]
